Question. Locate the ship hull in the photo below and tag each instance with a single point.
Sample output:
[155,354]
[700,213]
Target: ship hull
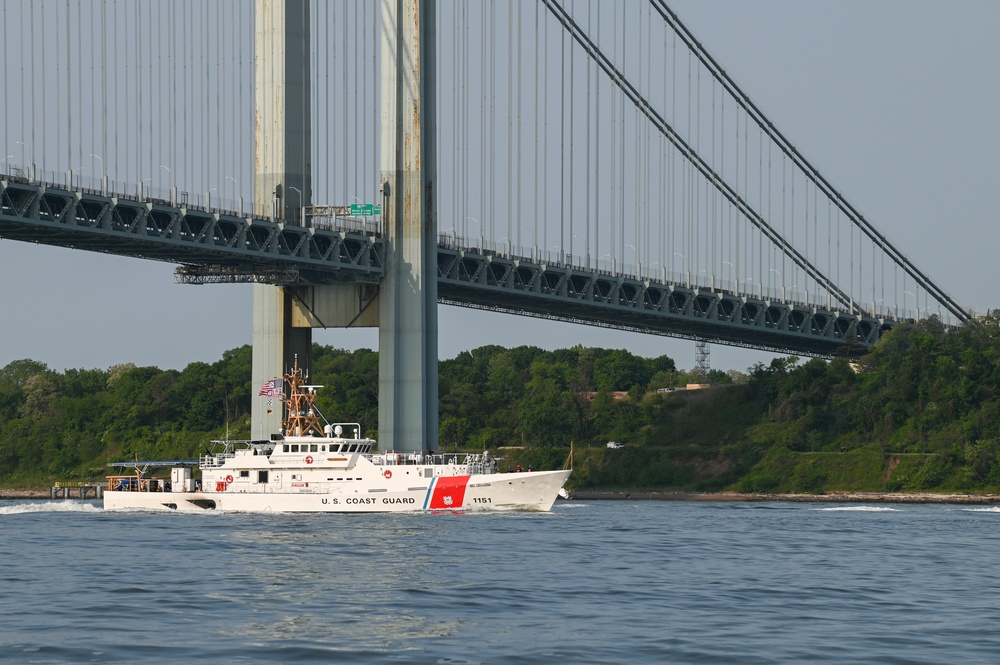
[535,491]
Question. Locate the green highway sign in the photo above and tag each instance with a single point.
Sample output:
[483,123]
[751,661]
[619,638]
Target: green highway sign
[365,209]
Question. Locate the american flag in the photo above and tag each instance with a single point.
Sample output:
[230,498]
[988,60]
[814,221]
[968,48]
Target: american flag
[270,388]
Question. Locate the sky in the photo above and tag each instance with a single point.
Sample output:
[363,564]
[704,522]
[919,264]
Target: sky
[894,101]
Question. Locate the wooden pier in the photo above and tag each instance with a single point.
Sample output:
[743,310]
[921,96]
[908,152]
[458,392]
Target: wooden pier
[94,491]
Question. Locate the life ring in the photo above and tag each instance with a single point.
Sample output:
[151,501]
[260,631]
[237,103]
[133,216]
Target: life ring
[309,459]
[387,473]
[229,479]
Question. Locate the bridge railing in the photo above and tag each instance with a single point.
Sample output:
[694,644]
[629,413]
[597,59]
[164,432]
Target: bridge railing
[122,189]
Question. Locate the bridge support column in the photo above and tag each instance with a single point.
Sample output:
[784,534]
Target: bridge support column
[282,184]
[408,380]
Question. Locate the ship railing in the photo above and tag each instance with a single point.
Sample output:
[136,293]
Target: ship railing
[478,463]
[213,461]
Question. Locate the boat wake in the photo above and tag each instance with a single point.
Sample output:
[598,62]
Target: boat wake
[991,509]
[50,507]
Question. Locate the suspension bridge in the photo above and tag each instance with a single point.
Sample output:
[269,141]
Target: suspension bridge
[587,162]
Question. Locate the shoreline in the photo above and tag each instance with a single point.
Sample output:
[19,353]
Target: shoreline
[830,497]
[24,494]
[729,497]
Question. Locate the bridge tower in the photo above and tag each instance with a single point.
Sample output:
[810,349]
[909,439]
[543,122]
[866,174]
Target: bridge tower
[408,334]
[281,172]
[405,304]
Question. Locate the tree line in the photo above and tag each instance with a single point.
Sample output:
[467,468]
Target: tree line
[919,411]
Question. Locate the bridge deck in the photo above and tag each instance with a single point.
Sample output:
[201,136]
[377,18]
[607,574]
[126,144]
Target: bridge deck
[221,246]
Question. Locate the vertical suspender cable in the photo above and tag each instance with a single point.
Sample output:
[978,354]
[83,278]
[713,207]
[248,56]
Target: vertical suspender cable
[306,189]
[457,64]
[243,110]
[512,216]
[373,173]
[642,133]
[62,105]
[169,74]
[330,99]
[116,104]
[712,211]
[461,117]
[491,222]
[614,142]
[57,80]
[664,178]
[6,84]
[597,184]
[31,47]
[468,106]
[538,174]
[482,125]
[199,107]
[591,183]
[358,102]
[515,216]
[545,137]
[829,250]
[44,76]
[562,146]
[688,177]
[104,87]
[648,247]
[639,205]
[147,136]
[218,93]
[772,245]
[745,242]
[185,129]
[519,167]
[673,153]
[344,156]
[361,75]
[621,146]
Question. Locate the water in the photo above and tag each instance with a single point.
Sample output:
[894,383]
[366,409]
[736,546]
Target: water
[591,582]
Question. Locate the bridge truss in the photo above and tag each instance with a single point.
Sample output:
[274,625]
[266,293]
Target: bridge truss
[217,246]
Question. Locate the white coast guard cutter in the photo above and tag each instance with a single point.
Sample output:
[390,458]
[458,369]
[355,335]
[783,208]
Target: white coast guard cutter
[329,469]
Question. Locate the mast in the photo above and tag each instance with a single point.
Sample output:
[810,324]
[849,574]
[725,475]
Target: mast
[300,417]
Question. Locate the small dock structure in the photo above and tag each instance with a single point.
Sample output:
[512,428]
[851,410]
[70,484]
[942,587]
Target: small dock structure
[78,491]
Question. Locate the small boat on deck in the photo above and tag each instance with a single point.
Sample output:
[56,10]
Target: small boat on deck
[329,468]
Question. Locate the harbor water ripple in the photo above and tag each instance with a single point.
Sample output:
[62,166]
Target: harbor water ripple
[591,582]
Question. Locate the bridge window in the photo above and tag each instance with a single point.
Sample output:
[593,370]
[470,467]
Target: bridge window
[295,447]
[313,448]
[245,474]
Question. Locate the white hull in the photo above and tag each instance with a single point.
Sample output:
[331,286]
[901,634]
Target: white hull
[498,491]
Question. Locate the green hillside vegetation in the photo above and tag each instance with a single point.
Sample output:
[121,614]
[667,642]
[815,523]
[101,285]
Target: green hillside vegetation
[918,413]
